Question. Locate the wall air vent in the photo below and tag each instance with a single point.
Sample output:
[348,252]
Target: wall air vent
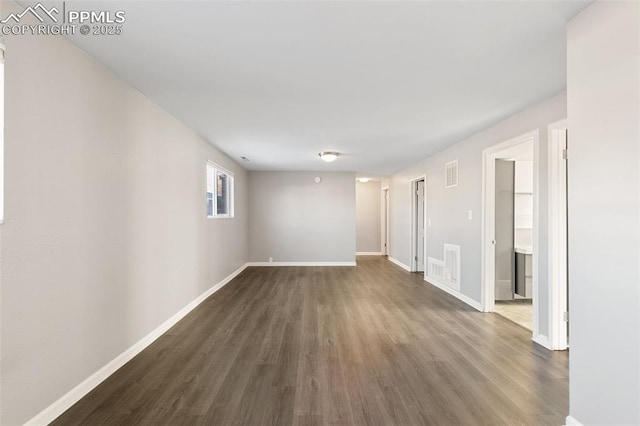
[447,271]
[435,268]
[452,263]
[451,174]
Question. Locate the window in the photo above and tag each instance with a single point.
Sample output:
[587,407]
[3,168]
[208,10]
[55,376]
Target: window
[219,191]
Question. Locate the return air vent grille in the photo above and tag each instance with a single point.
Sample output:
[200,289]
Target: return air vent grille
[436,268]
[452,263]
[451,174]
[446,271]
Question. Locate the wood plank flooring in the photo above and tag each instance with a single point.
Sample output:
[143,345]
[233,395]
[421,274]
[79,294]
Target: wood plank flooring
[370,345]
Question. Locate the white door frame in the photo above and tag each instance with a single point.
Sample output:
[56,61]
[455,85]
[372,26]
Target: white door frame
[413,223]
[384,231]
[557,236]
[489,156]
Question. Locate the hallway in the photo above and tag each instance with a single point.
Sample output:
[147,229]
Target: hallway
[370,344]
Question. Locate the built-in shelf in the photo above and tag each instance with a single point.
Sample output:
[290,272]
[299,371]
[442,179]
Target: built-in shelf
[523,204]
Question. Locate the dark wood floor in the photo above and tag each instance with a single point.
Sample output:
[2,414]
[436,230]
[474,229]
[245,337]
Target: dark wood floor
[334,345]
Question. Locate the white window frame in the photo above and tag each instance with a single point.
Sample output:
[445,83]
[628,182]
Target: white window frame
[212,171]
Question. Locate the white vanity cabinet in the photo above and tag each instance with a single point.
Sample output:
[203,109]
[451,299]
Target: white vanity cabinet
[524,273]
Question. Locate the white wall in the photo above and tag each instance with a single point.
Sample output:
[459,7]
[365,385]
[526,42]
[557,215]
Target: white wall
[368,217]
[448,208]
[294,219]
[105,234]
[603,88]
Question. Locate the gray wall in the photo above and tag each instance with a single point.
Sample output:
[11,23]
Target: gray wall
[368,217]
[105,234]
[603,89]
[447,208]
[294,219]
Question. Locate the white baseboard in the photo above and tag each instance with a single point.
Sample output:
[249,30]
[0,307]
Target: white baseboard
[54,410]
[400,264]
[571,421]
[368,253]
[301,264]
[542,340]
[455,293]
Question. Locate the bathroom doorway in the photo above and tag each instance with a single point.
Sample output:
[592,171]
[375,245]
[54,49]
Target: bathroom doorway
[510,231]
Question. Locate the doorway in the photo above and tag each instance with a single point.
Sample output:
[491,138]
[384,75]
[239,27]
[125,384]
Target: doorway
[510,231]
[558,236]
[418,212]
[384,232]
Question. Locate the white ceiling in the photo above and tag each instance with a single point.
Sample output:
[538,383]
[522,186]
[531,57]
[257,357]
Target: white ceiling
[384,83]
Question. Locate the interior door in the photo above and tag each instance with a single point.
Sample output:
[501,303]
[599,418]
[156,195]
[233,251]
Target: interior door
[504,230]
[420,226]
[385,222]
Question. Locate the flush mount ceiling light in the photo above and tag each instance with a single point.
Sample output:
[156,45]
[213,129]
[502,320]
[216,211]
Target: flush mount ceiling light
[363,180]
[328,156]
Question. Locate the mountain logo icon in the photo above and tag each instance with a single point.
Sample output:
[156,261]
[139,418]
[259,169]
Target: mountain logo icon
[39,11]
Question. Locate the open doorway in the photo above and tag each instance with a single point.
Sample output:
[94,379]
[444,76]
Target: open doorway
[514,234]
[384,214]
[510,231]
[418,196]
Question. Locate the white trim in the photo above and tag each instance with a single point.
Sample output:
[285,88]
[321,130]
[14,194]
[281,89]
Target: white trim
[572,421]
[54,410]
[489,156]
[542,340]
[413,223]
[220,168]
[442,286]
[535,256]
[301,264]
[557,193]
[400,264]
[368,253]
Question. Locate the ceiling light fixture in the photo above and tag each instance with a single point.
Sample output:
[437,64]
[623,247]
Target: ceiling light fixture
[328,156]
[363,180]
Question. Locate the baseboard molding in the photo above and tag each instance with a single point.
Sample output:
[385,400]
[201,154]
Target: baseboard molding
[571,421]
[469,301]
[400,264]
[54,410]
[543,340]
[368,253]
[301,264]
